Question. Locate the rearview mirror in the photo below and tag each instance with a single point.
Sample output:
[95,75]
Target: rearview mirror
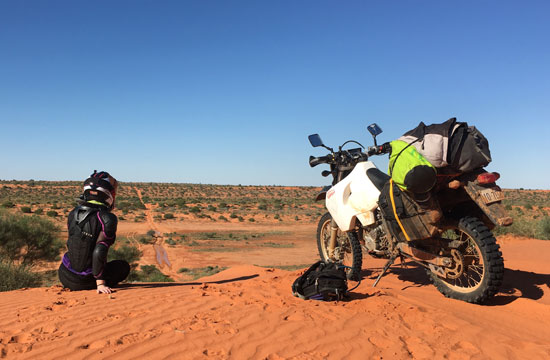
[374,129]
[315,140]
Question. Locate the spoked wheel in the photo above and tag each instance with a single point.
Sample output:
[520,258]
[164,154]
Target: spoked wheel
[347,250]
[477,265]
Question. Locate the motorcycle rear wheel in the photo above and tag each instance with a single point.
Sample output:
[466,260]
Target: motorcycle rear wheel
[348,249]
[478,264]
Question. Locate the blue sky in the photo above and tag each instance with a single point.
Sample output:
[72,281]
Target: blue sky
[226,92]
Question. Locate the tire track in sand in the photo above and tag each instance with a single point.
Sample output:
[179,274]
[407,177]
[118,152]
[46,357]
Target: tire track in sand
[160,252]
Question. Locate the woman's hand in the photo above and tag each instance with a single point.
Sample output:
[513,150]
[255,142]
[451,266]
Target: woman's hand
[102,289]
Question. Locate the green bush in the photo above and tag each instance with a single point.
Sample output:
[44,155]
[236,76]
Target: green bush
[129,253]
[543,229]
[168,216]
[146,240]
[17,276]
[28,238]
[52,213]
[38,211]
[25,209]
[151,233]
[223,218]
[8,204]
[233,216]
[251,219]
[150,273]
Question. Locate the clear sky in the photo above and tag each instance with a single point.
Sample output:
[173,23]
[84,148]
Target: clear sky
[226,92]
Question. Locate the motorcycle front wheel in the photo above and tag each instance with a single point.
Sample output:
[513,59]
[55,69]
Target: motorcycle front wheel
[477,270]
[347,251]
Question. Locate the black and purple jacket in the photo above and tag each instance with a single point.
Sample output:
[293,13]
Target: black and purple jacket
[92,230]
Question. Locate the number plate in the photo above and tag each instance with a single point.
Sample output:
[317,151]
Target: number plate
[490,196]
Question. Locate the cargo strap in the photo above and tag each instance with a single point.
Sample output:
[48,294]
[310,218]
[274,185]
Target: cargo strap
[395,212]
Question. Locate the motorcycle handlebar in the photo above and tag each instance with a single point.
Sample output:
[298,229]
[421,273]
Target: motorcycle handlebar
[314,161]
[380,149]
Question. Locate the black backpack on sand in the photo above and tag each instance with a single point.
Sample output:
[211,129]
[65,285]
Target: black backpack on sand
[322,281]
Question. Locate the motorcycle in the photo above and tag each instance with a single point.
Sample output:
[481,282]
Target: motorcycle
[462,258]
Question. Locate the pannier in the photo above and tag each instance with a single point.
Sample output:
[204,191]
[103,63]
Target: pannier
[406,219]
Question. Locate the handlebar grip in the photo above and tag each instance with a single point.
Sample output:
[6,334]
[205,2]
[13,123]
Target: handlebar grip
[314,161]
[380,149]
[373,150]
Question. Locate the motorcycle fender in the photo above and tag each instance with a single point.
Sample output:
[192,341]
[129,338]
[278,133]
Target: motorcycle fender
[323,193]
[353,198]
[495,211]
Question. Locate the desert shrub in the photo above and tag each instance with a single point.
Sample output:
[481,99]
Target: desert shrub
[223,218]
[195,209]
[262,207]
[17,276]
[212,208]
[146,240]
[222,205]
[55,206]
[151,233]
[251,219]
[170,241]
[129,253]
[233,216]
[241,219]
[25,209]
[52,213]
[277,216]
[543,229]
[197,273]
[28,238]
[168,216]
[150,273]
[8,204]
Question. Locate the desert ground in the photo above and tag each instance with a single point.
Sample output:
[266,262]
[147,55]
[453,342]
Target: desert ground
[247,310]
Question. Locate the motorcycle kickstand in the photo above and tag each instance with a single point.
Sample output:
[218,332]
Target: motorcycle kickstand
[402,262]
[386,267]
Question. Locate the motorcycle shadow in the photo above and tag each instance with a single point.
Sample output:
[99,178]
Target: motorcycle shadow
[516,284]
[521,284]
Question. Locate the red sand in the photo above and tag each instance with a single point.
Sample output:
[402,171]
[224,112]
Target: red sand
[248,312]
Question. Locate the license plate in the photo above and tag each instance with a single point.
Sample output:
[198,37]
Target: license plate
[490,196]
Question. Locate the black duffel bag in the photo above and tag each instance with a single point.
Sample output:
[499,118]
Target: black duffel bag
[322,281]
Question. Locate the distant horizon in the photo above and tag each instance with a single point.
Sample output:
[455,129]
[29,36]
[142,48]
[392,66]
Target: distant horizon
[211,184]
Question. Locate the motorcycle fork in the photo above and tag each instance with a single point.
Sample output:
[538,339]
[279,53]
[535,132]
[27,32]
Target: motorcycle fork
[333,238]
[333,226]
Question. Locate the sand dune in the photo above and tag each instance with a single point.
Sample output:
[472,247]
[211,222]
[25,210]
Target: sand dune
[248,312]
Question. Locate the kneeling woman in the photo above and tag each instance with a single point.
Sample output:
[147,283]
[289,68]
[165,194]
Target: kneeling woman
[92,230]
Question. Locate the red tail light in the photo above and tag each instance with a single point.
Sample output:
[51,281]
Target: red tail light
[487,178]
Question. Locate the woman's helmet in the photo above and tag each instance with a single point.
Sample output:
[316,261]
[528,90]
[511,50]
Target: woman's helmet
[101,186]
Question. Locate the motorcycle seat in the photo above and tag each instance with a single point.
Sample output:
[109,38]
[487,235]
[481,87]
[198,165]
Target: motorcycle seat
[377,177]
